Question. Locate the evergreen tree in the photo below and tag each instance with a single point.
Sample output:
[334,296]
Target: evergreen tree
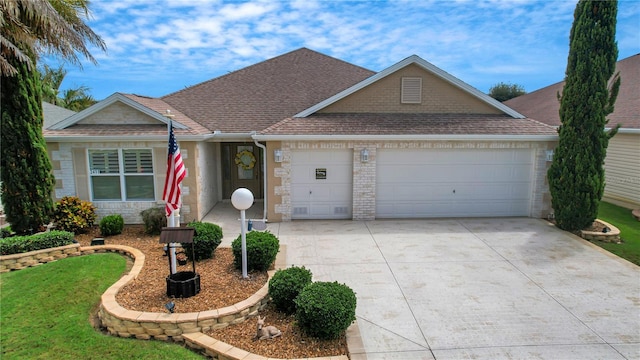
[27,179]
[503,91]
[576,175]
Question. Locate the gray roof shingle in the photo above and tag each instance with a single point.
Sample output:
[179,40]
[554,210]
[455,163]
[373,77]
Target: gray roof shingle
[256,97]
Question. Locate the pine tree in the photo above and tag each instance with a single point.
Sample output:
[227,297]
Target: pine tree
[576,175]
[27,179]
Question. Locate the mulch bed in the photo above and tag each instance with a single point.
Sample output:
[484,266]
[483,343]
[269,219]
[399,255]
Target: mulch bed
[221,285]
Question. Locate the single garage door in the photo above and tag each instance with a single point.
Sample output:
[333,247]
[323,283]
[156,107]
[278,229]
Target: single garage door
[453,183]
[321,184]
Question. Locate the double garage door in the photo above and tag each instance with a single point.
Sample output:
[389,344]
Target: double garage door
[415,183]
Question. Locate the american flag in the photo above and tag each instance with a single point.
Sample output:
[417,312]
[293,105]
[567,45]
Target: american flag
[175,174]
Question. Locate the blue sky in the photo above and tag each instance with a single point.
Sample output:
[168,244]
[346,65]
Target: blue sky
[156,47]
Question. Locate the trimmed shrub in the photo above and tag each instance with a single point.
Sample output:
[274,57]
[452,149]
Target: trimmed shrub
[154,220]
[206,238]
[74,215]
[111,225]
[285,285]
[325,309]
[262,248]
[22,244]
[6,232]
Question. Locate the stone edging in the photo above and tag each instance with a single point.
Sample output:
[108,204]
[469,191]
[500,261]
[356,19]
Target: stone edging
[38,257]
[612,236]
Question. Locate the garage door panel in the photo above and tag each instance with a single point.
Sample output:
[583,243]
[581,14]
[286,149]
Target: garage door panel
[453,182]
[326,195]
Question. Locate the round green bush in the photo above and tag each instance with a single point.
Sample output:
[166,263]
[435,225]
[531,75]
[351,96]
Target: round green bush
[325,309]
[262,248]
[206,238]
[111,225]
[154,220]
[74,215]
[285,285]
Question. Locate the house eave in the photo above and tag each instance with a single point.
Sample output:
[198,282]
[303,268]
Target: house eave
[63,139]
[445,137]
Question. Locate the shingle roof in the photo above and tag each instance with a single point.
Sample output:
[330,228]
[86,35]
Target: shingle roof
[160,106]
[253,98]
[408,124]
[543,104]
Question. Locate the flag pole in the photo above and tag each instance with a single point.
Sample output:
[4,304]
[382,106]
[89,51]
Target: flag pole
[171,219]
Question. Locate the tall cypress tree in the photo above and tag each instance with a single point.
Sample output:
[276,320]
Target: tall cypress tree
[27,179]
[576,175]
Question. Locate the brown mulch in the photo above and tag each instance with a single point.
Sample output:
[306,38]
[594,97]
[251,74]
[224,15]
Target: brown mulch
[221,285]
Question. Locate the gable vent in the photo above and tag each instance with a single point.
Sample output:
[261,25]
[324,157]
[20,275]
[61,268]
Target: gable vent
[411,90]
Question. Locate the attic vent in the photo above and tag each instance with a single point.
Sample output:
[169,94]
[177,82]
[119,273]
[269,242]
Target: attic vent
[411,90]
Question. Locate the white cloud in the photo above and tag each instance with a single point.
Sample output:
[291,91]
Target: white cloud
[478,41]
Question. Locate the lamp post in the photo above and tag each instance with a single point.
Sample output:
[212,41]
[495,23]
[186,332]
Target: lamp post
[242,199]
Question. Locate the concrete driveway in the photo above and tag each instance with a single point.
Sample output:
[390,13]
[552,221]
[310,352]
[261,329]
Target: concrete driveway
[513,288]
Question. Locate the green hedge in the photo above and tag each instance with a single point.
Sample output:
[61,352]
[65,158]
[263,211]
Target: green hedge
[286,284]
[111,225]
[22,244]
[325,309]
[262,249]
[206,238]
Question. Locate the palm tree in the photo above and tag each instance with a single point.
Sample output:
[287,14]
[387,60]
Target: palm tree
[44,26]
[51,79]
[77,99]
[29,28]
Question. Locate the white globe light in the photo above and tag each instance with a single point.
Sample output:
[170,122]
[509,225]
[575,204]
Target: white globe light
[242,199]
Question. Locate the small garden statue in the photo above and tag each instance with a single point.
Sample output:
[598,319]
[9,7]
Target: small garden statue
[266,332]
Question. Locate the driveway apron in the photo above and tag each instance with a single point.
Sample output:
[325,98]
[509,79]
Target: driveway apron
[510,288]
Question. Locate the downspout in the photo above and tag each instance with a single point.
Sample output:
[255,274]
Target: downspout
[264,177]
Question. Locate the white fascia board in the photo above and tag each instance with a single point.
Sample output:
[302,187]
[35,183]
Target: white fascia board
[626,131]
[108,101]
[405,137]
[413,59]
[222,136]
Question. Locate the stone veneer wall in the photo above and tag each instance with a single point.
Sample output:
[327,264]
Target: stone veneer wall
[364,174]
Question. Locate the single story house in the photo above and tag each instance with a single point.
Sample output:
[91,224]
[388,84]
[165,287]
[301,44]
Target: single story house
[622,164]
[315,138]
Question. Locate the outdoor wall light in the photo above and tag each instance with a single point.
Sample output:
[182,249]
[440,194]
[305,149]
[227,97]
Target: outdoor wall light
[277,155]
[549,155]
[364,155]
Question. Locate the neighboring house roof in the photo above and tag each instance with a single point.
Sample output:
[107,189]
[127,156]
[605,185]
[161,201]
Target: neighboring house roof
[543,104]
[53,113]
[256,97]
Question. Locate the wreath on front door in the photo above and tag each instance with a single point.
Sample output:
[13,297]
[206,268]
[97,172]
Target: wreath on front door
[245,159]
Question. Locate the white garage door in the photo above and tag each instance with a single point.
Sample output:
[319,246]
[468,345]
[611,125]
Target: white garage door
[453,183]
[321,184]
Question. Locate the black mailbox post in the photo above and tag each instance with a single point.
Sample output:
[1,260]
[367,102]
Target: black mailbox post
[182,284]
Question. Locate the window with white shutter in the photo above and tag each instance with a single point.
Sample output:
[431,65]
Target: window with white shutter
[121,174]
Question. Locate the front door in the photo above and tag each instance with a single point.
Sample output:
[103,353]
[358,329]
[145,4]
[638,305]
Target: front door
[242,168]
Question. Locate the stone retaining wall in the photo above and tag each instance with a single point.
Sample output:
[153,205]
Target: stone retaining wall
[38,257]
[612,236]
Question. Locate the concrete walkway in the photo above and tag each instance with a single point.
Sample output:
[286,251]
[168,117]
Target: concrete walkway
[510,288]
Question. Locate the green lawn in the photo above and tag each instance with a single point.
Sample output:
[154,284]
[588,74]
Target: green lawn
[45,312]
[629,232]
